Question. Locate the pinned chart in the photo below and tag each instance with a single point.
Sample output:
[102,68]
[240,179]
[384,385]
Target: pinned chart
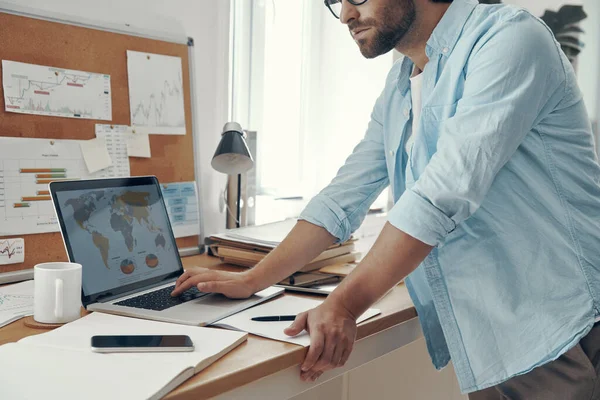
[181,200]
[12,251]
[156,93]
[27,166]
[58,92]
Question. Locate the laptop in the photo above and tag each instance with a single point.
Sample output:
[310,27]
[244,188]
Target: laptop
[118,229]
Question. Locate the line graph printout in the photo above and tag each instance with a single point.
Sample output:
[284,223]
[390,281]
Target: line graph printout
[58,92]
[27,166]
[156,93]
[12,251]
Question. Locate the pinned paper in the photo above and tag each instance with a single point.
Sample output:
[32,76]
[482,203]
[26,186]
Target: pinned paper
[95,154]
[116,144]
[181,199]
[12,251]
[138,145]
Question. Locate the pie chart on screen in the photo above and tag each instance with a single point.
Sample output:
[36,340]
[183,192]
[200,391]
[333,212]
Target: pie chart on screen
[151,261]
[127,266]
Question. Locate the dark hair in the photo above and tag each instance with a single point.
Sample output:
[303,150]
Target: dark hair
[442,1]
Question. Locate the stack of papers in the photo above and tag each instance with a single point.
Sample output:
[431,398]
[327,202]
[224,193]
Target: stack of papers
[268,235]
[62,364]
[247,246]
[16,301]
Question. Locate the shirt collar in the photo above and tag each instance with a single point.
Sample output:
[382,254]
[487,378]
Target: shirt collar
[442,40]
[403,82]
[448,30]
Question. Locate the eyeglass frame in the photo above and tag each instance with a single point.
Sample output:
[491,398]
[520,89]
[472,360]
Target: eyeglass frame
[353,2]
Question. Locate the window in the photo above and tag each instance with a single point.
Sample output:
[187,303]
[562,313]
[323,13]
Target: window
[299,80]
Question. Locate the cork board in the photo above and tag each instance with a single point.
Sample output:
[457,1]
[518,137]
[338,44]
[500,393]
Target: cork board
[55,44]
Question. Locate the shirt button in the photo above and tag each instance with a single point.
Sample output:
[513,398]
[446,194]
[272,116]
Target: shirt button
[392,153]
[406,112]
[445,50]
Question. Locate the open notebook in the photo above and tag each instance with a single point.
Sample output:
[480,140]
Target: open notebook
[62,364]
[284,305]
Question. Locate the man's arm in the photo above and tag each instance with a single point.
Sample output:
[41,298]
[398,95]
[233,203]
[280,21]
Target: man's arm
[393,256]
[303,244]
[333,325]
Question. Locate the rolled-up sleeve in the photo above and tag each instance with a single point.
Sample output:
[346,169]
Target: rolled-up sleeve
[341,207]
[513,78]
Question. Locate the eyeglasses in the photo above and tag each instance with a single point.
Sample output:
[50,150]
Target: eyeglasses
[335,6]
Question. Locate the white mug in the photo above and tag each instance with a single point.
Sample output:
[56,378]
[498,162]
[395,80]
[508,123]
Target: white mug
[57,292]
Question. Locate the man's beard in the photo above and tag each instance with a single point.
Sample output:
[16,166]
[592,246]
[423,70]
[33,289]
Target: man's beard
[389,31]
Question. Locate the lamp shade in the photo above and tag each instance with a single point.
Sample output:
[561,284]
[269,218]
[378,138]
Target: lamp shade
[232,156]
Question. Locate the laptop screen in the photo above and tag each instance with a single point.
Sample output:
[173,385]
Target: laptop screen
[119,231]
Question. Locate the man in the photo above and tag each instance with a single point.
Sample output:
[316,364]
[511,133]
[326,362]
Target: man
[482,133]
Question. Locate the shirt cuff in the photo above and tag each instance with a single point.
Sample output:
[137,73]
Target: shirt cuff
[324,212]
[420,219]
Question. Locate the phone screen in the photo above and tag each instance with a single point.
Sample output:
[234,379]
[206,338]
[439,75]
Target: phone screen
[142,341]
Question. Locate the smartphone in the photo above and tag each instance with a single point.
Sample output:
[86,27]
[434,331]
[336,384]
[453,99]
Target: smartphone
[141,343]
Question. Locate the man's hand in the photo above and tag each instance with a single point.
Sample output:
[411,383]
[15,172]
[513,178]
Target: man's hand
[235,285]
[332,331]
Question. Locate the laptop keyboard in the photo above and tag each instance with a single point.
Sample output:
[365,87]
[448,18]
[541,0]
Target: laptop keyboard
[161,299]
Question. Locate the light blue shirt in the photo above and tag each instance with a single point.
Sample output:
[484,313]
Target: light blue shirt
[502,179]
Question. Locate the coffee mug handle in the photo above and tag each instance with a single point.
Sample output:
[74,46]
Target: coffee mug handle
[58,309]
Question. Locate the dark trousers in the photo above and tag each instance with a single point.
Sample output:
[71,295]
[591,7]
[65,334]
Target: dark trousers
[573,376]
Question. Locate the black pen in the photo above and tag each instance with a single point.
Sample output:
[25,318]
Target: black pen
[272,318]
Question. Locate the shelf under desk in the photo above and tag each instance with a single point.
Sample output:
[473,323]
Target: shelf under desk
[260,358]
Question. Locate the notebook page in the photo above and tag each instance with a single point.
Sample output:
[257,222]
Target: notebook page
[285,305]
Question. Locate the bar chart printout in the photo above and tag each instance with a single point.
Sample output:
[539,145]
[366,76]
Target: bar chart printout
[27,166]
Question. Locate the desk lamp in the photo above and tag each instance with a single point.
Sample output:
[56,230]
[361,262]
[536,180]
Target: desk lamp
[233,157]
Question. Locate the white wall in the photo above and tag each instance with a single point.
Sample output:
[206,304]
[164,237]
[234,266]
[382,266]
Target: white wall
[207,21]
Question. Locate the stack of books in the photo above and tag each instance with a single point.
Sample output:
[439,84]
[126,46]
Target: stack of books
[247,246]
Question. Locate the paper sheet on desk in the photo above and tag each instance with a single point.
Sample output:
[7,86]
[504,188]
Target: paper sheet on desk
[16,301]
[286,305]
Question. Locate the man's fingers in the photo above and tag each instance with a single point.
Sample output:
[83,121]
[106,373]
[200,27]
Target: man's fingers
[325,361]
[311,376]
[211,286]
[183,286]
[317,375]
[345,355]
[182,278]
[339,352]
[187,284]
[297,326]
[317,342]
[189,279]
